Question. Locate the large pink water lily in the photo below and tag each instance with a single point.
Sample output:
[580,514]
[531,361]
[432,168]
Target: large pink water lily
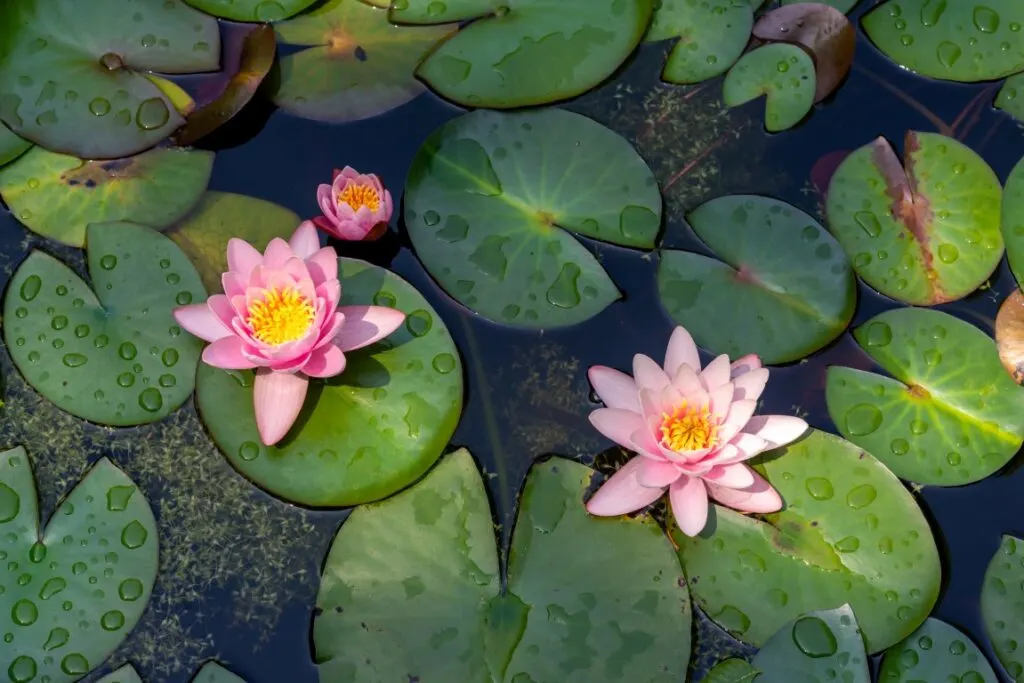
[355,206]
[693,429]
[279,314]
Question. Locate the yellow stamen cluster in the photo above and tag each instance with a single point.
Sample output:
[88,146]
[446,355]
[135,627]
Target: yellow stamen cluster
[688,429]
[357,196]
[283,316]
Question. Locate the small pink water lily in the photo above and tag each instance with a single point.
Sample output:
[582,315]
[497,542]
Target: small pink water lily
[356,206]
[279,314]
[693,429]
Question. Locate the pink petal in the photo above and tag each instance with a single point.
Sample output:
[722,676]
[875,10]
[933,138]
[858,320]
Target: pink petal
[721,400]
[656,474]
[327,361]
[716,373]
[751,384]
[329,329]
[389,206]
[242,257]
[681,351]
[323,265]
[647,374]
[687,380]
[777,430]
[615,389]
[745,364]
[366,324]
[617,424]
[739,415]
[689,499]
[759,497]
[747,446]
[277,254]
[736,476]
[226,354]
[325,200]
[277,399]
[643,442]
[304,241]
[201,321]
[622,493]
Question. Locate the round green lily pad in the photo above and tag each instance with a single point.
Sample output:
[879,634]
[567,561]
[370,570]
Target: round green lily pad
[936,652]
[924,236]
[1002,604]
[251,10]
[712,35]
[386,612]
[1012,219]
[525,52]
[784,74]
[950,414]
[115,356]
[843,6]
[370,431]
[1011,97]
[11,146]
[488,194]
[69,73]
[786,281]
[126,674]
[57,196]
[733,670]
[358,63]
[849,533]
[956,40]
[818,646]
[82,582]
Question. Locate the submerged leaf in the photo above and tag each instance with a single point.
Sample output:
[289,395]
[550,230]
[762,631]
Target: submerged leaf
[251,10]
[816,646]
[842,5]
[783,73]
[712,36]
[936,652]
[1011,97]
[733,670]
[1010,335]
[1002,605]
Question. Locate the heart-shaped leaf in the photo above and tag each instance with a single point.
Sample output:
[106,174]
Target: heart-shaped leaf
[1011,97]
[115,356]
[251,10]
[68,78]
[712,36]
[949,415]
[1012,220]
[411,588]
[849,533]
[784,74]
[1002,604]
[1010,335]
[936,652]
[57,196]
[488,193]
[817,646]
[788,285]
[76,589]
[926,235]
[11,146]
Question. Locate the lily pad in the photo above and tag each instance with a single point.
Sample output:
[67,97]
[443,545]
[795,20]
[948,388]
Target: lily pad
[517,53]
[784,74]
[926,235]
[963,40]
[936,652]
[1012,220]
[251,10]
[126,674]
[411,588]
[487,194]
[115,356]
[849,533]
[211,672]
[843,6]
[11,146]
[69,73]
[370,431]
[733,670]
[58,196]
[788,285]
[948,416]
[1002,604]
[83,581]
[712,36]
[1011,97]
[817,646]
[358,63]
[1010,335]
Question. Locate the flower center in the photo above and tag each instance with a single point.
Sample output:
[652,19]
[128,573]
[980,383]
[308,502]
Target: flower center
[357,196]
[688,429]
[283,316]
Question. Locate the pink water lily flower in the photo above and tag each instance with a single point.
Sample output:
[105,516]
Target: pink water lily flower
[693,429]
[356,206]
[279,314]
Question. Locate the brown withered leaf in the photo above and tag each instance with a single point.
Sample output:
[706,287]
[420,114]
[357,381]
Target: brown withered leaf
[1010,335]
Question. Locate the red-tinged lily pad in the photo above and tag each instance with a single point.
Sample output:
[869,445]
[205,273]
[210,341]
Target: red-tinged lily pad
[1012,220]
[823,30]
[525,52]
[412,584]
[11,146]
[956,40]
[712,36]
[926,235]
[788,285]
[949,415]
[843,6]
[818,646]
[850,532]
[1011,97]
[251,10]
[358,64]
[69,71]
[784,74]
[1002,605]
[936,652]
[58,196]
[1010,335]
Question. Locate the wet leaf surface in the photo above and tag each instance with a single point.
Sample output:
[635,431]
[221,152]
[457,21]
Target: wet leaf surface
[1010,335]
[411,588]
[115,356]
[816,646]
[489,194]
[1012,220]
[1011,97]
[11,146]
[948,416]
[936,652]
[925,235]
[251,10]
[788,285]
[370,431]
[84,580]
[711,36]
[58,196]
[849,533]
[783,73]
[1002,604]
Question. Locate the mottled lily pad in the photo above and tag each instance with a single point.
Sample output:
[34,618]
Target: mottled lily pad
[11,146]
[488,193]
[524,52]
[1010,335]
[411,588]
[1011,97]
[817,646]
[733,670]
[1012,220]
[358,63]
[1002,605]
[370,431]
[849,533]
[58,196]
[251,10]
[82,582]
[956,40]
[115,356]
[843,6]
[788,285]
[69,73]
[926,235]
[784,74]
[712,35]
[936,652]
[949,415]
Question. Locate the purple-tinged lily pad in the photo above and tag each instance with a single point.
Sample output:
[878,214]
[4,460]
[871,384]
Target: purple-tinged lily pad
[956,40]
[949,414]
[1002,605]
[712,35]
[1010,335]
[251,10]
[926,235]
[936,652]
[843,6]
[1012,220]
[783,73]
[1011,97]
[818,646]
[11,146]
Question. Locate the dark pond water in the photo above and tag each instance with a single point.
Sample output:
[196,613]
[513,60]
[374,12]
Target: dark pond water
[240,569]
